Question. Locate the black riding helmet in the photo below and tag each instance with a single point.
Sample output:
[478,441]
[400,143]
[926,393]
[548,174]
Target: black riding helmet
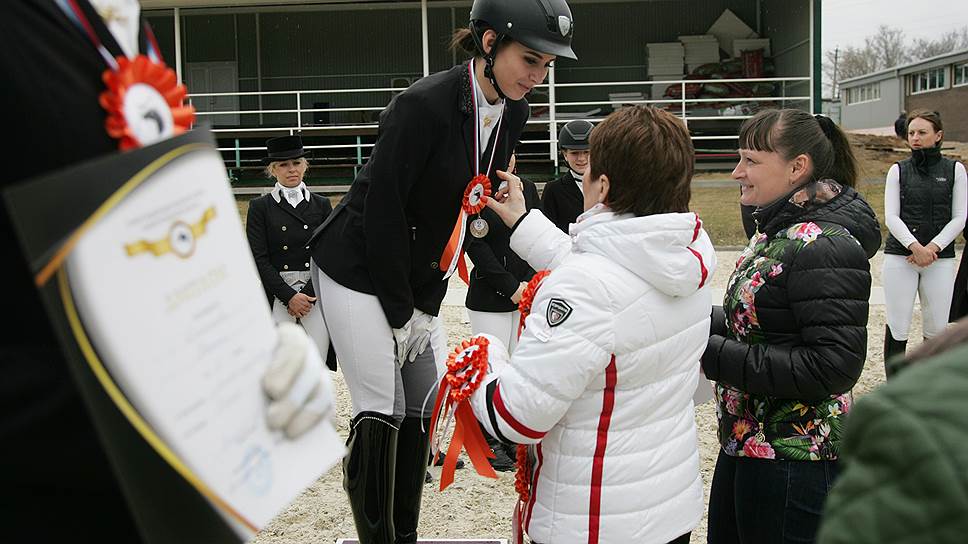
[574,135]
[543,25]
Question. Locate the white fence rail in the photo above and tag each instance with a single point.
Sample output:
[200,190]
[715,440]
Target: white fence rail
[553,112]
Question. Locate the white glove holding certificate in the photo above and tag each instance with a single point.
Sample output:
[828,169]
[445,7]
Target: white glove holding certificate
[299,388]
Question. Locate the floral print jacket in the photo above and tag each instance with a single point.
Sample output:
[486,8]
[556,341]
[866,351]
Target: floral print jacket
[791,339]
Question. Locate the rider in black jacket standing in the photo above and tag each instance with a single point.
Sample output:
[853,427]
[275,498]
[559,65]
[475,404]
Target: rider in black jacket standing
[562,199]
[385,256]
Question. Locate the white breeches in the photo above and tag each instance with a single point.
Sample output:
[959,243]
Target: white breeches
[502,325]
[932,285]
[363,341]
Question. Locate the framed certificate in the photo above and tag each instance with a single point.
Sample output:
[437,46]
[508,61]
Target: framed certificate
[147,276]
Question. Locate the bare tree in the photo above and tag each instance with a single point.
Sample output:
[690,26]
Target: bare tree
[884,49]
[850,62]
[945,43]
[887,46]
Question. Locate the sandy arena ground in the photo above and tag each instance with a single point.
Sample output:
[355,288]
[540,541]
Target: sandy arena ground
[479,507]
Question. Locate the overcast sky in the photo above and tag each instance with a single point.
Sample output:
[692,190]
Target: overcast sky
[848,22]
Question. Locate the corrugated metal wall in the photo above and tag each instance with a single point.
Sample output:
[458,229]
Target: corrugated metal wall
[370,46]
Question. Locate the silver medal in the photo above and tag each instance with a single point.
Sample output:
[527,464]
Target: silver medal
[479,228]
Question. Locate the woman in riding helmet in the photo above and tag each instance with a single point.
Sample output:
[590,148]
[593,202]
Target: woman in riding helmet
[382,261]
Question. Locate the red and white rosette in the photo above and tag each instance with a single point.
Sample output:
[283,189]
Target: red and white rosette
[466,370]
[145,103]
[522,473]
[527,297]
[476,195]
[473,202]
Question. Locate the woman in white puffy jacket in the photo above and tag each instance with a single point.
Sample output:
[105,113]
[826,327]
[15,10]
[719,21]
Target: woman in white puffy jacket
[602,380]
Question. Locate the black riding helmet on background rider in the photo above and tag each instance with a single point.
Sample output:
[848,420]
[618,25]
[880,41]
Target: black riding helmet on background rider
[575,134]
[545,26]
[573,142]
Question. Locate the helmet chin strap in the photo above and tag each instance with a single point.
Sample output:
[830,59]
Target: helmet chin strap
[489,68]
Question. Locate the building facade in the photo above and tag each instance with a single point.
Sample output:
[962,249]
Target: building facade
[938,83]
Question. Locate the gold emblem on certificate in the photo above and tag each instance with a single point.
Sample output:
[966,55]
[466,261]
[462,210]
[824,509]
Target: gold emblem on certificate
[479,228]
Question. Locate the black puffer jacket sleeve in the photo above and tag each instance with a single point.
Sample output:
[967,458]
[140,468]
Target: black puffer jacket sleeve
[827,288]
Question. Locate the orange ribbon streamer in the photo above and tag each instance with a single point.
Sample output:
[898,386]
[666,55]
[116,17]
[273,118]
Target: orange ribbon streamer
[466,369]
[473,202]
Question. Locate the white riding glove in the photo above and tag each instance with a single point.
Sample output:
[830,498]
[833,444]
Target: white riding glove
[420,325]
[299,388]
[400,338]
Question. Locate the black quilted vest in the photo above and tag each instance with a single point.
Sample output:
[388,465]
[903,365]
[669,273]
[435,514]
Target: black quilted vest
[927,180]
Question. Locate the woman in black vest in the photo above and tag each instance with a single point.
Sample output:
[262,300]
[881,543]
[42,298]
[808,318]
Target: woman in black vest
[924,207]
[278,226]
[385,255]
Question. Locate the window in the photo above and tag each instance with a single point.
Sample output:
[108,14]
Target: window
[929,80]
[961,74]
[864,93]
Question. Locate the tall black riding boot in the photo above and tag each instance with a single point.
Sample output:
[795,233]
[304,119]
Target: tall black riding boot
[892,347]
[413,447]
[368,474]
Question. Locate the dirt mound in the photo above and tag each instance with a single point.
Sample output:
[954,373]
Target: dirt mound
[876,153]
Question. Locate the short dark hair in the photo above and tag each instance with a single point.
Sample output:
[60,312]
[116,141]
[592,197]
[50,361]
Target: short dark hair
[792,132]
[648,157]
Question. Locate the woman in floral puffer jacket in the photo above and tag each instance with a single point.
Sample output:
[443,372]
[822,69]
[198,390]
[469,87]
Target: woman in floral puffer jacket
[790,341]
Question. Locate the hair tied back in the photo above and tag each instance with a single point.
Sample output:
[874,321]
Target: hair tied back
[826,125]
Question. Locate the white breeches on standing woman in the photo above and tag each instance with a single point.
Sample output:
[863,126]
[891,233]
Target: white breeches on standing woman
[363,341]
[502,325]
[313,324]
[932,285]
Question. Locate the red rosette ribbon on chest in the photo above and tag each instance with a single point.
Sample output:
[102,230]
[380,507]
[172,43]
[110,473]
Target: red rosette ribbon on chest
[144,103]
[466,370]
[476,195]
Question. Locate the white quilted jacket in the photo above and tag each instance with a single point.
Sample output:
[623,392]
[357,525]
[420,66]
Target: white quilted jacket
[603,378]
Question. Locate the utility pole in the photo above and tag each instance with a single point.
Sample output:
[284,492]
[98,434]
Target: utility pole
[835,91]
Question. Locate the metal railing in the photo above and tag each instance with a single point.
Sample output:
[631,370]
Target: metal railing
[689,109]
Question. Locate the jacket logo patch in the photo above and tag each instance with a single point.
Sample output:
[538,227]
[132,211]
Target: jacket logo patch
[558,312]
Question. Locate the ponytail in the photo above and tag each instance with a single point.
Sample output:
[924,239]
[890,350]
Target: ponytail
[462,41]
[843,167]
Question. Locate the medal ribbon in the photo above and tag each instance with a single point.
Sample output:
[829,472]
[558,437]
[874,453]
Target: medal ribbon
[79,18]
[453,256]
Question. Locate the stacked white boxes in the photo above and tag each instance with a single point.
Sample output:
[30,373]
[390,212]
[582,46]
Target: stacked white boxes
[666,61]
[702,49]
